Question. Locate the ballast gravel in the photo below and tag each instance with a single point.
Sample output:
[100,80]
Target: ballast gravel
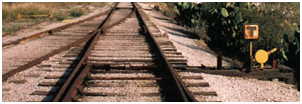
[235,89]
[21,92]
[229,89]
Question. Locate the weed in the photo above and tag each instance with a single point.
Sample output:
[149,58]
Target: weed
[76,12]
[60,15]
[8,29]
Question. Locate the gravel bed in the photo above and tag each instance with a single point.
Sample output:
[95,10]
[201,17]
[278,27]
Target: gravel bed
[182,42]
[235,89]
[16,55]
[21,92]
[201,98]
[200,89]
[38,98]
[54,80]
[229,89]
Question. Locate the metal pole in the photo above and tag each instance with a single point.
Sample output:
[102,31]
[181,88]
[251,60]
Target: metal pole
[251,48]
[251,55]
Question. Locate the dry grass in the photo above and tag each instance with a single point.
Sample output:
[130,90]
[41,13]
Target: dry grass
[59,10]
[11,9]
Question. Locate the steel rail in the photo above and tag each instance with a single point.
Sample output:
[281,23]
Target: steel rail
[67,91]
[75,80]
[50,31]
[42,58]
[105,28]
[185,93]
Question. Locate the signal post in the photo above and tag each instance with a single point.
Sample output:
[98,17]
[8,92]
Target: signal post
[251,32]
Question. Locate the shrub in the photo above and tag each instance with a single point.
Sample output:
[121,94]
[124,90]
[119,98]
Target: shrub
[225,27]
[76,12]
[224,23]
[186,14]
[60,15]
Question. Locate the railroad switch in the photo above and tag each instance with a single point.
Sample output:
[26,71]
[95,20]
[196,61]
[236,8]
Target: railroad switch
[262,56]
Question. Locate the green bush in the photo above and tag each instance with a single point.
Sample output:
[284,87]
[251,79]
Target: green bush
[60,15]
[225,27]
[274,19]
[76,12]
[224,23]
[186,14]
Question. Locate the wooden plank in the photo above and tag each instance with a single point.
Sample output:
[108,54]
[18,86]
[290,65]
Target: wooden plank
[200,84]
[117,94]
[55,70]
[51,83]
[121,71]
[124,78]
[63,66]
[5,89]
[133,64]
[150,94]
[17,81]
[56,77]
[191,77]
[43,93]
[103,94]
[122,59]
[206,93]
[121,84]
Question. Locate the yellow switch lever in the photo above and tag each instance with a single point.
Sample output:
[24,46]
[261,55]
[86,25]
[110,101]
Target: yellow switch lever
[272,51]
[262,56]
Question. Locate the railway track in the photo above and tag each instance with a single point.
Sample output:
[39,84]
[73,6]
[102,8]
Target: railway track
[127,59]
[38,47]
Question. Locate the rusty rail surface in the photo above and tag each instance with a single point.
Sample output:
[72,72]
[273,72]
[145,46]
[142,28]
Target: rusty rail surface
[73,86]
[186,94]
[66,92]
[69,90]
[39,60]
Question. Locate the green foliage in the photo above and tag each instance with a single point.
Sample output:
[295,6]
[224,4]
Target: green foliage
[224,23]
[293,50]
[76,12]
[11,28]
[224,12]
[187,14]
[225,28]
[274,19]
[60,15]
